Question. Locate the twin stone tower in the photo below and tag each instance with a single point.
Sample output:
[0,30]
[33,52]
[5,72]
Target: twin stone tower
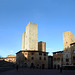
[33,53]
[30,37]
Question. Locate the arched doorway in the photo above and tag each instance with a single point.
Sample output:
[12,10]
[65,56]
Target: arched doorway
[58,66]
[32,65]
[54,66]
[25,64]
[43,66]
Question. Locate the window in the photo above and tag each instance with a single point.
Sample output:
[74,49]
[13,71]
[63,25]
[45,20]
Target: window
[58,59]
[62,53]
[62,59]
[25,53]
[37,64]
[44,58]
[32,58]
[73,57]
[39,58]
[40,53]
[44,54]
[67,60]
[73,63]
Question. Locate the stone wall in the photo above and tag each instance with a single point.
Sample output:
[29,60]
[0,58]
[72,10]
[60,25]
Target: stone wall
[29,58]
[57,59]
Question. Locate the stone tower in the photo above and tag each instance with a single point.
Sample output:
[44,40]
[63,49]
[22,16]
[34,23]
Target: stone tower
[23,41]
[42,46]
[30,56]
[30,37]
[68,38]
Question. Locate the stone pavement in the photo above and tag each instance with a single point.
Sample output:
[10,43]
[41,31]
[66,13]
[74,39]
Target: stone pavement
[38,72]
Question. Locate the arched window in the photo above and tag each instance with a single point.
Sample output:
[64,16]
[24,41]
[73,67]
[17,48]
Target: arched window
[32,65]
[44,58]
[54,59]
[58,59]
[39,58]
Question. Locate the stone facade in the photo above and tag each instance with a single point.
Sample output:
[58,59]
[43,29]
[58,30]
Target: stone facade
[37,59]
[66,57]
[31,37]
[30,56]
[72,53]
[68,38]
[68,54]
[57,59]
[42,46]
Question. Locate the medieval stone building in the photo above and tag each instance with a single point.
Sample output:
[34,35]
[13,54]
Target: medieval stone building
[67,56]
[33,54]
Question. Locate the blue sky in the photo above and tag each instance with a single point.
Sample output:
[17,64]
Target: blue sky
[52,16]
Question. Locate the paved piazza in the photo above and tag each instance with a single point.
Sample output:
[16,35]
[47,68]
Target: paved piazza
[37,72]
